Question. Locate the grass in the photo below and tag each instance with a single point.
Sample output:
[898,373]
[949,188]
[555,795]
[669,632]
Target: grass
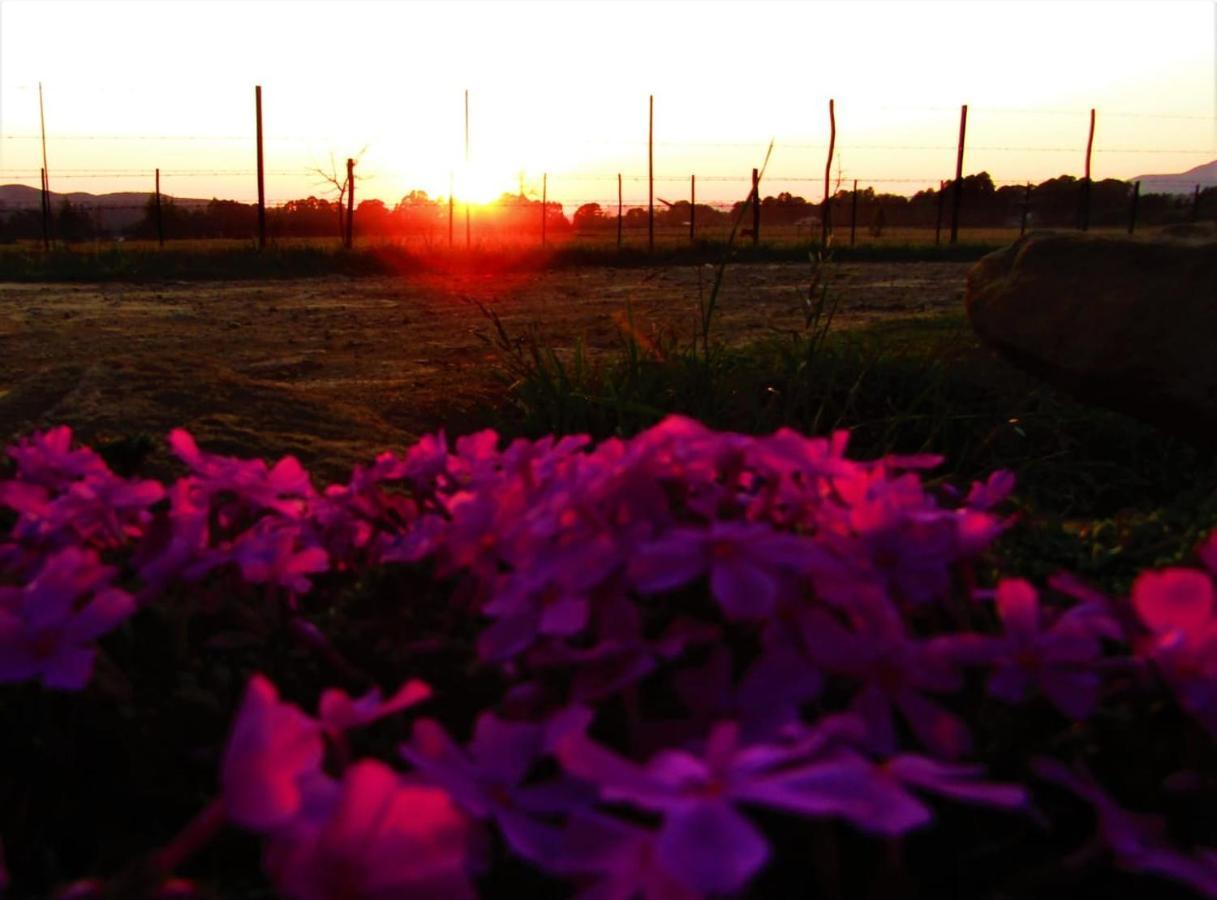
[234,260]
[1099,494]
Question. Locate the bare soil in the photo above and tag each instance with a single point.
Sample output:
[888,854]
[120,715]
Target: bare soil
[335,369]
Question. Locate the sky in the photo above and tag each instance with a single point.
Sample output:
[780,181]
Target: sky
[561,89]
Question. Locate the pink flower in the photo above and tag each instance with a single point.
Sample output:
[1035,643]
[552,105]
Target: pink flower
[373,837]
[338,712]
[48,627]
[1176,605]
[47,459]
[273,750]
[750,565]
[1059,660]
[280,553]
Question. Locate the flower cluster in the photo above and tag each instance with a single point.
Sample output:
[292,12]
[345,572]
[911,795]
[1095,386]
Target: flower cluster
[798,612]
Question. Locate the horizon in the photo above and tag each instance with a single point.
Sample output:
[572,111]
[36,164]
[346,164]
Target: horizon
[717,105]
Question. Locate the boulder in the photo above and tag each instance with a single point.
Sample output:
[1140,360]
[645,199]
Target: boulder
[1128,324]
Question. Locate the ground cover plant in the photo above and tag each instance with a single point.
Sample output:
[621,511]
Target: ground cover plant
[690,663]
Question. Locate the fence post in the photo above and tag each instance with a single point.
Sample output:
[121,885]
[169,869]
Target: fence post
[46,176]
[692,208]
[160,223]
[1132,207]
[261,171]
[46,211]
[826,210]
[618,211]
[651,177]
[350,203]
[756,207]
[544,204]
[853,214]
[957,189]
[1195,204]
[1022,225]
[1085,212]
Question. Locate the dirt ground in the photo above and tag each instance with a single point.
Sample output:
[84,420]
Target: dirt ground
[335,369]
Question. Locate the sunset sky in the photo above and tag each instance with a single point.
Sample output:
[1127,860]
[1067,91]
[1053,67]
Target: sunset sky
[562,88]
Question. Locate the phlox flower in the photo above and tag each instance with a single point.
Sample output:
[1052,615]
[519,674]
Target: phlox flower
[47,459]
[488,780]
[48,627]
[1058,659]
[892,671]
[705,841]
[284,488]
[1176,606]
[1137,842]
[750,565]
[338,712]
[373,836]
[279,553]
[272,752]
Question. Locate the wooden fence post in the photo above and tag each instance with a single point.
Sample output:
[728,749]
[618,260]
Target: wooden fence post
[853,214]
[1084,214]
[692,208]
[651,177]
[46,211]
[160,222]
[756,207]
[957,189]
[350,203]
[618,211]
[261,171]
[1195,204]
[826,209]
[1132,207]
[1022,225]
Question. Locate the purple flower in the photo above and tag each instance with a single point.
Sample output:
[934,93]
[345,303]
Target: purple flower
[273,751]
[338,712]
[891,670]
[488,781]
[1058,660]
[47,459]
[47,627]
[750,565]
[1138,842]
[375,835]
[704,840]
[280,553]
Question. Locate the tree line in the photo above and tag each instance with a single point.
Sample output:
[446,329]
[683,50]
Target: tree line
[1055,203]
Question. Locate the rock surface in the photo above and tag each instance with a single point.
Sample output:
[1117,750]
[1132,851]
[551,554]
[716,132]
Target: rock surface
[1128,324]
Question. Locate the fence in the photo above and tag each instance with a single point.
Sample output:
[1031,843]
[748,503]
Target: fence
[593,204]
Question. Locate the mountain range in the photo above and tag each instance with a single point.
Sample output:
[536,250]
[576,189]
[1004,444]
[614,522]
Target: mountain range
[113,211]
[1204,175]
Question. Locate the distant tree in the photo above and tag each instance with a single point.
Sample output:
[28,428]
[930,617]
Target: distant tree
[588,217]
[73,223]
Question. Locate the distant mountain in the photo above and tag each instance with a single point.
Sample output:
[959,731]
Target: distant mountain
[114,211]
[1204,175]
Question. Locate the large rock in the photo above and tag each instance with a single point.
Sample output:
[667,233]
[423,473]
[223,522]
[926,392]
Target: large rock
[1128,324]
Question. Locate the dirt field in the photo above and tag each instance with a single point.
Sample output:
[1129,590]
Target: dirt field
[334,369]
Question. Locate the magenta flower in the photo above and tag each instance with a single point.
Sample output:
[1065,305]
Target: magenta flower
[48,627]
[337,712]
[284,488]
[274,749]
[488,781]
[279,553]
[750,565]
[1138,842]
[1176,606]
[705,841]
[47,459]
[1060,660]
[891,671]
[374,836]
